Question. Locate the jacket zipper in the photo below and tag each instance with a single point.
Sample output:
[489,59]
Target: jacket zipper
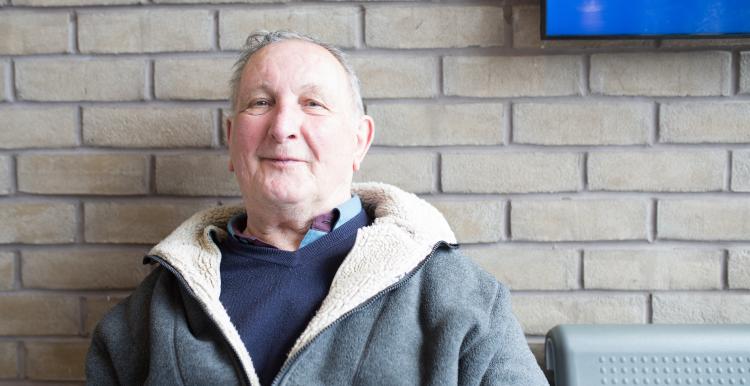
[290,362]
[236,362]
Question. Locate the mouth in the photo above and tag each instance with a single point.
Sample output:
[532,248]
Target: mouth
[281,160]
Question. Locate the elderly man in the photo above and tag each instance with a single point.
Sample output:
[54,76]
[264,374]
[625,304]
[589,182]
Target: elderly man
[311,281]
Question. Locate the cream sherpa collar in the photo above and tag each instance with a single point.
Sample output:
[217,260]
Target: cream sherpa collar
[404,230]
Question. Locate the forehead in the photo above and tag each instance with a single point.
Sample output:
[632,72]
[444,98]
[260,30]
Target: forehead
[294,64]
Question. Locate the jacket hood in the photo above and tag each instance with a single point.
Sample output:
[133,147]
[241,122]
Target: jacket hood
[404,230]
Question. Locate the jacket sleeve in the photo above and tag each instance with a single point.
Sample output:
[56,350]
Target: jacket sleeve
[100,369]
[118,353]
[109,346]
[501,356]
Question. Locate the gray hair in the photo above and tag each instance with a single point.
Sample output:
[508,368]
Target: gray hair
[262,38]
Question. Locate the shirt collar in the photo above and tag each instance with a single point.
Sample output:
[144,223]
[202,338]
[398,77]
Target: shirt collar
[320,226]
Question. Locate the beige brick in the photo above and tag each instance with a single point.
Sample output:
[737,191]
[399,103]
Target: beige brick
[338,25]
[56,360]
[476,221]
[699,308]
[528,269]
[661,74]
[413,172]
[724,219]
[135,222]
[511,172]
[390,76]
[664,171]
[82,269]
[195,175]
[147,126]
[8,360]
[527,34]
[38,127]
[540,312]
[6,175]
[57,3]
[84,80]
[145,30]
[39,314]
[512,76]
[739,268]
[437,124]
[209,78]
[745,73]
[705,122]
[37,222]
[662,269]
[586,123]
[34,32]
[7,270]
[579,220]
[83,173]
[433,26]
[96,308]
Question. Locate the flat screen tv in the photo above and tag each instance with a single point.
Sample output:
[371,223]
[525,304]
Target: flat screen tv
[600,19]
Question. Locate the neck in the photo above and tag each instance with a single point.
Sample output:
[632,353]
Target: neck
[285,225]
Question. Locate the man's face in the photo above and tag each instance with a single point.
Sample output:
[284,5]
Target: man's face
[295,137]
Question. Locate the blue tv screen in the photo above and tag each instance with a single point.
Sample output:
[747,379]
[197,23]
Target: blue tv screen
[645,18]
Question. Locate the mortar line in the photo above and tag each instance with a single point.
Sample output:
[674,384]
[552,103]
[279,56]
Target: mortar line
[585,73]
[653,135]
[438,163]
[73,45]
[725,270]
[215,41]
[360,33]
[81,229]
[584,164]
[79,126]
[16,285]
[13,173]
[508,123]
[508,26]
[651,224]
[12,88]
[150,92]
[508,233]
[650,308]
[217,137]
[728,170]
[734,72]
[581,269]
[440,77]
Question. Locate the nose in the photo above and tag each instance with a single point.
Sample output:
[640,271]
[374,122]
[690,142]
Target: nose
[286,122]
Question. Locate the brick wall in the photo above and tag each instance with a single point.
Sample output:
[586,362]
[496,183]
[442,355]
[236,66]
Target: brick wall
[603,181]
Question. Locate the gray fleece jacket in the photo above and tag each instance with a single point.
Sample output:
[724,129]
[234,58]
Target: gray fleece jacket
[405,308]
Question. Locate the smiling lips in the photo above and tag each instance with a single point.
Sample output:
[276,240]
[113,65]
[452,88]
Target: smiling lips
[282,160]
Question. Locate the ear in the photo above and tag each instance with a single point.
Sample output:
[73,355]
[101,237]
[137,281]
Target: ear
[229,142]
[365,134]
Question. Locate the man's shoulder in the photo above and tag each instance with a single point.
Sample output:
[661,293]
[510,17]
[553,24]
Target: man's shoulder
[453,278]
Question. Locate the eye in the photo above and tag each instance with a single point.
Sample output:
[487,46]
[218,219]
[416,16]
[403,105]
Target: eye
[259,106]
[313,103]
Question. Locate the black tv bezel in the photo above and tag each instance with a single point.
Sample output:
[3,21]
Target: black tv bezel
[544,36]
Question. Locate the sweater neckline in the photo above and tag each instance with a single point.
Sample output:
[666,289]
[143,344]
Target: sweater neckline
[313,251]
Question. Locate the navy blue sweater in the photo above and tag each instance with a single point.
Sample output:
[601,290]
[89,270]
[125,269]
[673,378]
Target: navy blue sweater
[271,294]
